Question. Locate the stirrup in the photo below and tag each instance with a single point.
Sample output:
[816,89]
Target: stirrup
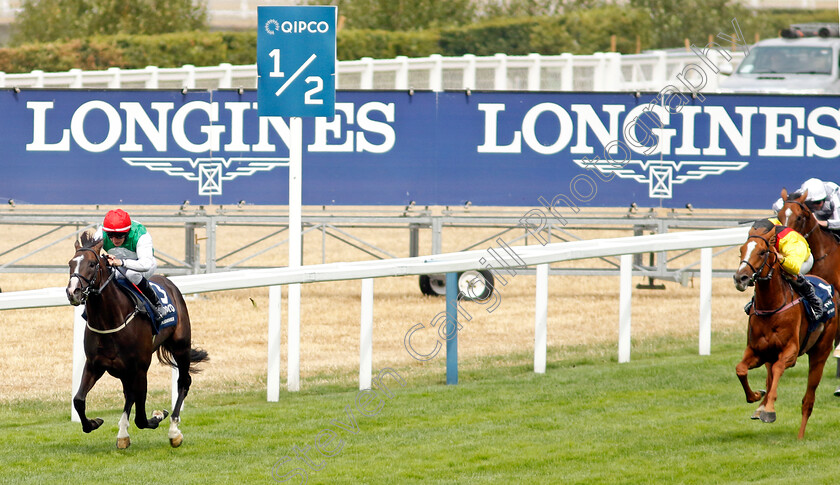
[160,311]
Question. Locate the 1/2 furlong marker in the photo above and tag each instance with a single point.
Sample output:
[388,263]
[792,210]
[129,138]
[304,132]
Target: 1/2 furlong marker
[285,35]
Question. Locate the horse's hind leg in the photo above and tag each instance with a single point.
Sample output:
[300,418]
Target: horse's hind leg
[184,380]
[815,372]
[90,375]
[140,419]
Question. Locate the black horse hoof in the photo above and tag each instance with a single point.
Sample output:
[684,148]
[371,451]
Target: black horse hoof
[93,424]
[837,391]
[157,417]
[768,417]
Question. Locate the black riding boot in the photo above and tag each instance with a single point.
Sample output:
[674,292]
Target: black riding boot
[749,306]
[149,293]
[806,289]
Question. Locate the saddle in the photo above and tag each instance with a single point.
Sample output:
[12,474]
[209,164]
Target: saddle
[143,305]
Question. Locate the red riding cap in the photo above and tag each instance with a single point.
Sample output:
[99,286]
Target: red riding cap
[116,221]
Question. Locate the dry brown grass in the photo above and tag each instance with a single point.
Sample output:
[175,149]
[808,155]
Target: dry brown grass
[232,325]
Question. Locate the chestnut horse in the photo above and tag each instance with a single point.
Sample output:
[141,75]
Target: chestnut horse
[778,327]
[119,340]
[796,215]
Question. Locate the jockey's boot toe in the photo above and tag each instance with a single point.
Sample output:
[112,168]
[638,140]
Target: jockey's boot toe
[160,311]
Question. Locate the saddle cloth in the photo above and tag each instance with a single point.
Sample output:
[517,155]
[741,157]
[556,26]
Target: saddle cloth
[168,320]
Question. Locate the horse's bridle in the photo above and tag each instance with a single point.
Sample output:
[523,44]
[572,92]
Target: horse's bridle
[91,287]
[756,272]
[808,213]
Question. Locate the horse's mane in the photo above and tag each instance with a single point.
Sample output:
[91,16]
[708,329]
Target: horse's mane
[88,238]
[764,224]
[794,196]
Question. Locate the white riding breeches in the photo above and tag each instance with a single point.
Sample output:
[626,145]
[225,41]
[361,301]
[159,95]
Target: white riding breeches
[135,277]
[807,265]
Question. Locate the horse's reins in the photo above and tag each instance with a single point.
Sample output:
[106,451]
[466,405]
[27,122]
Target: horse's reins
[810,213]
[91,289]
[755,277]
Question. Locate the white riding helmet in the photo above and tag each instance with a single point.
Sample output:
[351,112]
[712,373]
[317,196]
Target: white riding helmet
[815,188]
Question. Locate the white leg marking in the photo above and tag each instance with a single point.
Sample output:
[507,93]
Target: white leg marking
[174,432]
[123,432]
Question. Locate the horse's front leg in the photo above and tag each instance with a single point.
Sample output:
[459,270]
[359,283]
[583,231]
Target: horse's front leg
[140,419]
[760,408]
[750,361]
[786,359]
[123,439]
[90,375]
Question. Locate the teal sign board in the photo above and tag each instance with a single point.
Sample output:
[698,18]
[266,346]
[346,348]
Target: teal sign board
[296,61]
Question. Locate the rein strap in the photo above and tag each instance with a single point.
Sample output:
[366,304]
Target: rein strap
[762,313]
[125,323]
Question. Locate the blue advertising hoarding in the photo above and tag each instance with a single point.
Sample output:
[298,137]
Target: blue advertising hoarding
[389,148]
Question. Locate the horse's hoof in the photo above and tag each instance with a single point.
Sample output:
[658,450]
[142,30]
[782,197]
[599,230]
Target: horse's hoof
[768,417]
[176,441]
[123,443]
[159,415]
[837,391]
[94,424]
[756,414]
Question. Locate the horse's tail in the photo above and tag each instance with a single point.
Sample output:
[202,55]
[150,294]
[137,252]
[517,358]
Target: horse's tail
[196,356]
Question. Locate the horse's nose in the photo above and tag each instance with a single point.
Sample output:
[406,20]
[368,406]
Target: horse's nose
[72,296]
[741,280]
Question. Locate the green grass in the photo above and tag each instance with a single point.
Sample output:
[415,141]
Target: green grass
[669,416]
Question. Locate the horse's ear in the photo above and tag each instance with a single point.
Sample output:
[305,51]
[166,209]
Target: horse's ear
[784,194]
[803,196]
[98,245]
[78,244]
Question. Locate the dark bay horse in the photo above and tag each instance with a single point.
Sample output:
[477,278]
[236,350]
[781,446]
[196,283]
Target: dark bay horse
[778,327]
[119,340]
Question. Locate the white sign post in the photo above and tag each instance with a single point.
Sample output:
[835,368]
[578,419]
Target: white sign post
[296,77]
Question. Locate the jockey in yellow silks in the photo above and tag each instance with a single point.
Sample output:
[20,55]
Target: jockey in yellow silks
[796,259]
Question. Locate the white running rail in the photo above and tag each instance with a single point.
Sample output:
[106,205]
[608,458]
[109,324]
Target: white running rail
[536,255]
[597,72]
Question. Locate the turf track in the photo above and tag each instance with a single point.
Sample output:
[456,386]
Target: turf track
[669,416]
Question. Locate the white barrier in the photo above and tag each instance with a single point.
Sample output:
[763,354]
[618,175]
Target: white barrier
[650,71]
[536,255]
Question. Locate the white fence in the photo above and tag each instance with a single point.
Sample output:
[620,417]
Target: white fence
[598,72]
[539,256]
